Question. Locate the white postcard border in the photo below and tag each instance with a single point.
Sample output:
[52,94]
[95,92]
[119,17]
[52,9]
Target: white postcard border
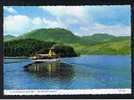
[67,92]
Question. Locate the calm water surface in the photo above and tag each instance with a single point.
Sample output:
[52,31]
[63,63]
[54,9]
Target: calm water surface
[84,72]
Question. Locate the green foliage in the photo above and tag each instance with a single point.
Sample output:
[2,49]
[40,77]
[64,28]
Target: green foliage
[94,44]
[30,47]
[114,47]
[25,47]
[52,34]
[102,38]
[98,38]
[64,50]
[9,37]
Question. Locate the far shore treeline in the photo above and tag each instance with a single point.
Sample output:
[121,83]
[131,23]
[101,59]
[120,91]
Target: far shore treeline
[41,40]
[31,47]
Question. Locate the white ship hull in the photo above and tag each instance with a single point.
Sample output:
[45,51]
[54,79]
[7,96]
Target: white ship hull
[46,60]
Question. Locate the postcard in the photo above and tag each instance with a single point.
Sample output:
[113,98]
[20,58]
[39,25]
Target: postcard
[67,50]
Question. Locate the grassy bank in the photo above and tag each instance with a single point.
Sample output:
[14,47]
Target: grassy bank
[110,48]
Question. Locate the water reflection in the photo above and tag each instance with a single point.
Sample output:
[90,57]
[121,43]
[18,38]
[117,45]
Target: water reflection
[58,70]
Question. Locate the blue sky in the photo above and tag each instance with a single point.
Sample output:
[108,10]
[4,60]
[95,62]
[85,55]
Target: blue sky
[81,20]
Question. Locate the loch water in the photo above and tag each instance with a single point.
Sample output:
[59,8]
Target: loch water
[84,72]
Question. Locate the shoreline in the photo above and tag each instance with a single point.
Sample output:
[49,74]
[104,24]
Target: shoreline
[17,57]
[20,57]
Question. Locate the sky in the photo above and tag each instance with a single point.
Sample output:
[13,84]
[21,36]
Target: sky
[81,20]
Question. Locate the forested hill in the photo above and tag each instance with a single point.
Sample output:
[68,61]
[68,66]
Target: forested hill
[30,47]
[60,35]
[9,37]
[51,34]
[100,43]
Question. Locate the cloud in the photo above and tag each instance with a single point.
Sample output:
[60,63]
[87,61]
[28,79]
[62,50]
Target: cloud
[19,24]
[53,24]
[114,20]
[102,14]
[79,12]
[117,30]
[16,24]
[38,22]
[10,10]
[81,20]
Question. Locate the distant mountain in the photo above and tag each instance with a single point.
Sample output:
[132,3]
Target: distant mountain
[100,43]
[98,38]
[52,34]
[9,37]
[101,38]
[61,35]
